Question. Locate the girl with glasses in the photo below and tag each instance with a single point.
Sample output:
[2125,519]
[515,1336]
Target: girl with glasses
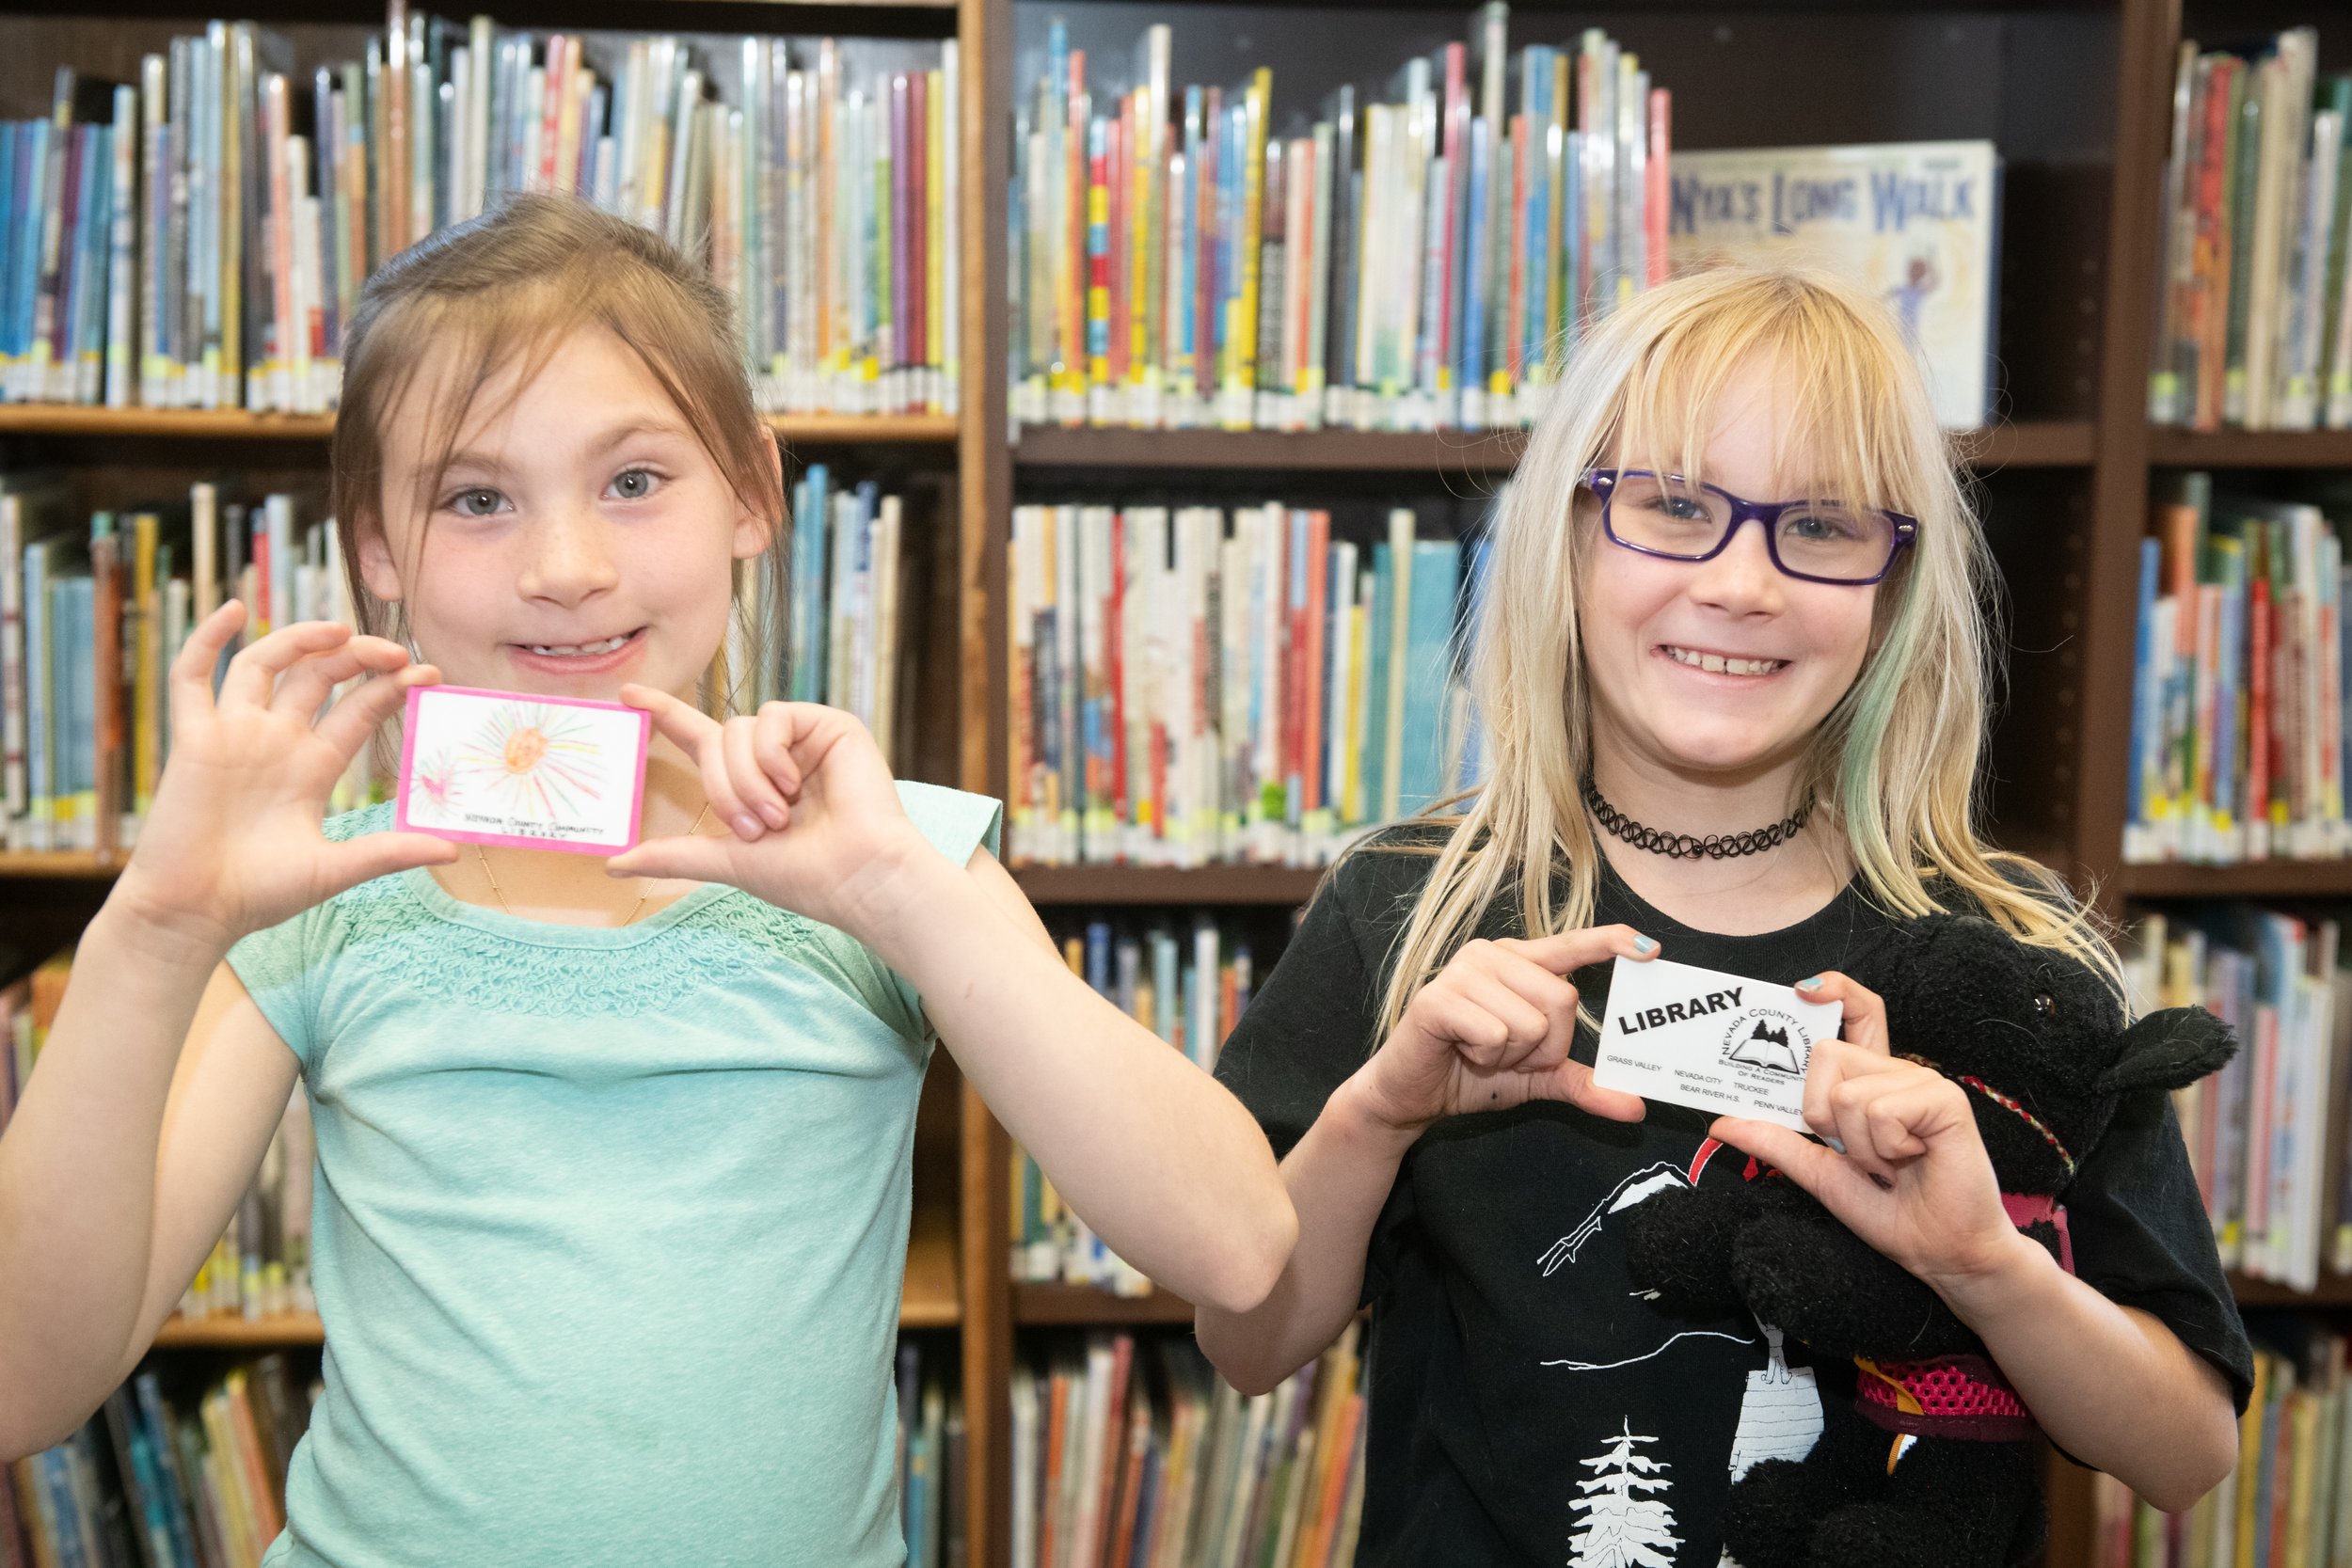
[1752,748]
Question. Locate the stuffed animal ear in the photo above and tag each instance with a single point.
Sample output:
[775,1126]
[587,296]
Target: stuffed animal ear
[2168,1050]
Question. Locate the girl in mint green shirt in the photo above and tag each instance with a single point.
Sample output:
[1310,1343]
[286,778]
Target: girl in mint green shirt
[613,1186]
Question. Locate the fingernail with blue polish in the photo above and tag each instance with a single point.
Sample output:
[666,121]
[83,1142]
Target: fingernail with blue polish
[1814,984]
[1644,944]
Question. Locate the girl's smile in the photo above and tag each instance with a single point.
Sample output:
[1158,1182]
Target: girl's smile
[604,656]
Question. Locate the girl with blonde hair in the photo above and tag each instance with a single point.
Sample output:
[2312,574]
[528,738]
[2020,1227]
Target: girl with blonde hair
[1747,749]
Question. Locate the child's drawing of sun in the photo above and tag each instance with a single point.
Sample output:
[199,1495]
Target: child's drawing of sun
[541,762]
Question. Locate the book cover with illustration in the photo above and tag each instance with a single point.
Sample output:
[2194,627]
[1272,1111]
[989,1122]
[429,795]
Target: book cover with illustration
[1918,222]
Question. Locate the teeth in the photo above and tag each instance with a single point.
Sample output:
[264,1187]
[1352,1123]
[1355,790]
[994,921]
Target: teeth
[1719,664]
[558,650]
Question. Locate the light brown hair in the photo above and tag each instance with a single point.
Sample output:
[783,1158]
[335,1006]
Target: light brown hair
[505,290]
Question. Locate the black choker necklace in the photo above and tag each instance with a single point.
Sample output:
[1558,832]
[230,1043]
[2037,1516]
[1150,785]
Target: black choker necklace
[1682,846]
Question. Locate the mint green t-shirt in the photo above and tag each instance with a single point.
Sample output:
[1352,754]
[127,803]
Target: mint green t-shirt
[609,1225]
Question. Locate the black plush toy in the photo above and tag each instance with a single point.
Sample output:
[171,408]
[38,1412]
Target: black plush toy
[1928,1462]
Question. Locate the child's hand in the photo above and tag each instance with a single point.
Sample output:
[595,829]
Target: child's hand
[814,817]
[1492,1031]
[231,843]
[1914,1180]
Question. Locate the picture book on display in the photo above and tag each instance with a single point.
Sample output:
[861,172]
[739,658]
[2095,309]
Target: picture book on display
[1918,223]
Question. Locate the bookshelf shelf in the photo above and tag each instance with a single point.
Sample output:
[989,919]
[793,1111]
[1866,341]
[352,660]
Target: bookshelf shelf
[1050,1306]
[1067,885]
[2254,880]
[40,418]
[226,1333]
[57,864]
[1366,451]
[2046,443]
[2249,448]
[2335,1290]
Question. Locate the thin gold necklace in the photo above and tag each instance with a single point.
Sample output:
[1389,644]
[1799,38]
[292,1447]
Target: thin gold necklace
[635,910]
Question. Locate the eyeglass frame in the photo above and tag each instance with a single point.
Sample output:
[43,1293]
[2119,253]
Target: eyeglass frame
[1603,483]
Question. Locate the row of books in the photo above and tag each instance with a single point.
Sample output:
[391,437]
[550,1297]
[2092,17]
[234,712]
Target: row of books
[1406,262]
[1192,684]
[160,1480]
[261,1267]
[2288,1502]
[93,614]
[2265,1134]
[1190,988]
[2252,329]
[181,241]
[849,639]
[1137,1455]
[2239,680]
[932,1475]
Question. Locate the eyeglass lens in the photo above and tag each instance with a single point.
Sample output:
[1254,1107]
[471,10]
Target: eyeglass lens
[1826,539]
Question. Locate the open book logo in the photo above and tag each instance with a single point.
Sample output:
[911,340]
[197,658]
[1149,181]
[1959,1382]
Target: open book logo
[1769,1040]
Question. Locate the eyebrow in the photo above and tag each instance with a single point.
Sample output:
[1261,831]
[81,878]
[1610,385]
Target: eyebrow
[620,433]
[489,465]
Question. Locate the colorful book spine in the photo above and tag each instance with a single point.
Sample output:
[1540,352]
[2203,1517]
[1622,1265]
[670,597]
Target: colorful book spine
[2238,739]
[1257,724]
[1402,263]
[180,242]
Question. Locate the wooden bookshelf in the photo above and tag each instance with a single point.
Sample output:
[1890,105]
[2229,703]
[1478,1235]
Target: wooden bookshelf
[2046,443]
[80,865]
[933,1296]
[1068,885]
[1069,1305]
[2071,469]
[244,1334]
[68,419]
[2275,879]
[2334,1291]
[2249,448]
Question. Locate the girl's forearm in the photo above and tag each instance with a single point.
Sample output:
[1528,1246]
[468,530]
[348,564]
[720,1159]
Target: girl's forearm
[1339,1177]
[1158,1157]
[2110,1385]
[77,1173]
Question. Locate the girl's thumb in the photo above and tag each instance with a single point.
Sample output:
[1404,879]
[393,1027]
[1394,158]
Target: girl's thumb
[374,855]
[688,857]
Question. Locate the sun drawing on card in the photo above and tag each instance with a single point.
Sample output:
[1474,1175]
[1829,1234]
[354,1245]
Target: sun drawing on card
[541,762]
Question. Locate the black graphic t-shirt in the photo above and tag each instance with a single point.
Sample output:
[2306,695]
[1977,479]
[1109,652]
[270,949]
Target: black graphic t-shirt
[1525,1401]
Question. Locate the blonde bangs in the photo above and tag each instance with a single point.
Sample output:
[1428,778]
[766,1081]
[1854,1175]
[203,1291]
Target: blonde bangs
[1842,410]
[1893,766]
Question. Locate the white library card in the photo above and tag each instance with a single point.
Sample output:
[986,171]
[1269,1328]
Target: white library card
[510,767]
[1709,1040]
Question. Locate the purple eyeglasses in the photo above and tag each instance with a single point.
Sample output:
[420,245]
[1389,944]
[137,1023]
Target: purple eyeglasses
[1674,518]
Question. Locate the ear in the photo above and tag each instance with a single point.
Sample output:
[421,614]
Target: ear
[375,563]
[2168,1050]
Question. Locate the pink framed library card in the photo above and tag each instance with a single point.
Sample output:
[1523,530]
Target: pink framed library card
[510,768]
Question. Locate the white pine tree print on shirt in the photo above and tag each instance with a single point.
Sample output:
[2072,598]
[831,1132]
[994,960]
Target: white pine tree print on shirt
[1622,1528]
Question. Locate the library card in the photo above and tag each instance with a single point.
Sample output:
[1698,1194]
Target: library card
[510,768]
[1713,1042]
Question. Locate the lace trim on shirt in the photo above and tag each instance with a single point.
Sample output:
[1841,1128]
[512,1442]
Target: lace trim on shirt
[387,931]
